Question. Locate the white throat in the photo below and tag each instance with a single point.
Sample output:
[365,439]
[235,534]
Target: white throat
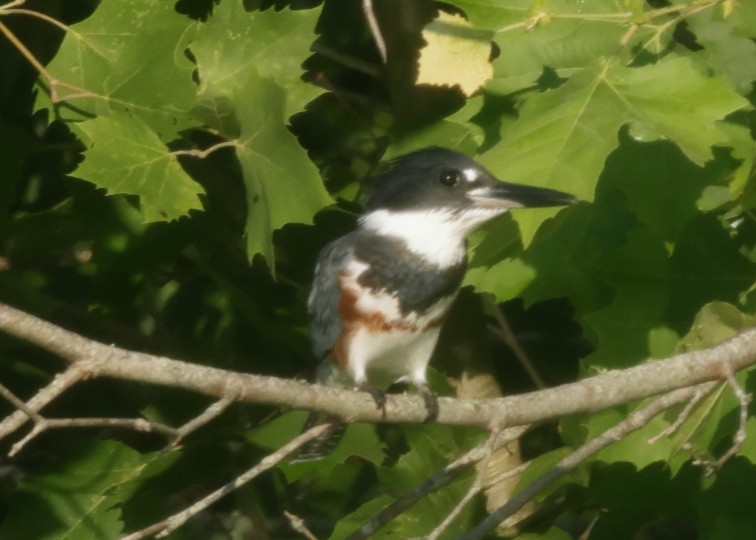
[438,236]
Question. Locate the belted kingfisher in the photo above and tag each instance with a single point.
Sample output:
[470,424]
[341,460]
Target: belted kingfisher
[382,292]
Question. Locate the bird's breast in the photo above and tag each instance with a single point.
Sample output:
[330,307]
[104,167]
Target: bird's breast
[381,309]
[386,273]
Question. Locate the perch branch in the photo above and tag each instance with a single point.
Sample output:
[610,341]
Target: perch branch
[592,394]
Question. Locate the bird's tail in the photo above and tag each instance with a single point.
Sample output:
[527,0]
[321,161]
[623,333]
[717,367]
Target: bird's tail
[320,446]
[328,374]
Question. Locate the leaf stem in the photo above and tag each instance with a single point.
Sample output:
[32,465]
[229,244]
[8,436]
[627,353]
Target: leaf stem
[207,151]
[26,53]
[31,13]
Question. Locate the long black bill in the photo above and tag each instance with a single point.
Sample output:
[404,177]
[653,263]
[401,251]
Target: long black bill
[506,195]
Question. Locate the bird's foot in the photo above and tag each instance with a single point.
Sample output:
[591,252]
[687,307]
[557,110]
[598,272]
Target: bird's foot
[431,402]
[378,395]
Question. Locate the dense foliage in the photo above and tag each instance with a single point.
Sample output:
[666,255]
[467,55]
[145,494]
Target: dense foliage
[170,171]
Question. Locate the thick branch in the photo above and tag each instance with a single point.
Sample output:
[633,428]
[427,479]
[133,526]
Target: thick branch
[593,394]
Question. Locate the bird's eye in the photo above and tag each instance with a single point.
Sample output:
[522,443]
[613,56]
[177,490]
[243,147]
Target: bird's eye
[449,177]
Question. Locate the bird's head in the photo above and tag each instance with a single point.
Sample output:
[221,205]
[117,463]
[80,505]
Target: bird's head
[439,179]
[434,198]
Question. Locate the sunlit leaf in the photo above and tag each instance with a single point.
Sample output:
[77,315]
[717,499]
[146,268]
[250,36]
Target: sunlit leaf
[563,136]
[282,184]
[272,44]
[730,54]
[128,56]
[455,54]
[123,155]
[254,90]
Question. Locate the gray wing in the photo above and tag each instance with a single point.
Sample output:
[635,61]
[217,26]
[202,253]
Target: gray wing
[323,303]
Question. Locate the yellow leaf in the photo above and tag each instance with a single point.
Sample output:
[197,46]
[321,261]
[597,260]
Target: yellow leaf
[455,53]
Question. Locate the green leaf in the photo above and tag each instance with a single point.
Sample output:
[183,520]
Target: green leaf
[563,136]
[559,140]
[127,56]
[282,184]
[661,186]
[431,447]
[359,440]
[539,466]
[455,131]
[455,54]
[678,101]
[708,265]
[576,239]
[124,155]
[234,44]
[352,522]
[716,322]
[494,15]
[635,503]
[637,447]
[255,89]
[723,511]
[742,17]
[80,497]
[546,38]
[727,53]
[703,431]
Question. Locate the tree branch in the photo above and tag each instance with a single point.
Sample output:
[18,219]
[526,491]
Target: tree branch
[61,383]
[436,481]
[170,524]
[589,395]
[636,420]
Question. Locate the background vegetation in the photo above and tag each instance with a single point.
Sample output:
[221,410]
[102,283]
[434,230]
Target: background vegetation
[170,170]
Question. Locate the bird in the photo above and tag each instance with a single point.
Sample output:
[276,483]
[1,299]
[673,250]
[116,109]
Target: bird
[380,294]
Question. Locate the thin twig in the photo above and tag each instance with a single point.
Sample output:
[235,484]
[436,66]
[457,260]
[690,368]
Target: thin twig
[52,81]
[347,60]
[43,424]
[435,482]
[375,29]
[744,400]
[61,383]
[170,524]
[472,492]
[212,412]
[25,52]
[474,489]
[12,4]
[298,524]
[19,404]
[681,418]
[635,421]
[505,331]
[506,475]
